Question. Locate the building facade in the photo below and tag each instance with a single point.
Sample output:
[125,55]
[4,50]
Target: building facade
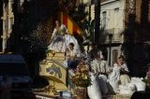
[128,23]
[112,26]
[112,22]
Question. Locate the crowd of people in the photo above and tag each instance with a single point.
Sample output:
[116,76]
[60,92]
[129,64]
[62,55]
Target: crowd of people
[109,77]
[62,41]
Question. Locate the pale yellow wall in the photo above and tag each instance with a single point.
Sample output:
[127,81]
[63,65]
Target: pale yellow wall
[109,8]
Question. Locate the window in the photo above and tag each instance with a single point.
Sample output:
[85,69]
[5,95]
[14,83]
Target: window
[104,19]
[116,12]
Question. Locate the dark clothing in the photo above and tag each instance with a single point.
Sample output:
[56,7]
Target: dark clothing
[72,64]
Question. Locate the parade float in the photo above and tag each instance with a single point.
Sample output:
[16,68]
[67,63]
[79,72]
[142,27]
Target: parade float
[64,82]
[53,68]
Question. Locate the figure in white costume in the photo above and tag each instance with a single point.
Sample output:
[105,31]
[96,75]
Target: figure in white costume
[114,78]
[119,74]
[124,71]
[101,68]
[61,38]
[93,90]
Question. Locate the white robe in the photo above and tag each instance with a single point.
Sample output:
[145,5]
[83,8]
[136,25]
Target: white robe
[61,39]
[93,90]
[62,44]
[101,66]
[115,77]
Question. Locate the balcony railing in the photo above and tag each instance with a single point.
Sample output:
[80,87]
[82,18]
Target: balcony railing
[117,35]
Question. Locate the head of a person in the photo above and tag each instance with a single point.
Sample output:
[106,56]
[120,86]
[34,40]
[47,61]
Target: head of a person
[57,22]
[71,46]
[96,54]
[121,59]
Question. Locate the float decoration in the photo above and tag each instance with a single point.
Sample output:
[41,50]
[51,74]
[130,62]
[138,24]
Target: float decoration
[82,77]
[81,80]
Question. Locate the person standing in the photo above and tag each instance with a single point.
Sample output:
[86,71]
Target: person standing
[124,71]
[119,74]
[57,38]
[61,38]
[60,29]
[100,67]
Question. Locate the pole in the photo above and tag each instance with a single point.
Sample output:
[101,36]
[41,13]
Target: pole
[110,41]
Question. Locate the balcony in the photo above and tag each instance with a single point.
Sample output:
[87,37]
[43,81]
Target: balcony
[117,35]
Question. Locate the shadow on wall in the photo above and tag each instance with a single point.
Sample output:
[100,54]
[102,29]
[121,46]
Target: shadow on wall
[136,34]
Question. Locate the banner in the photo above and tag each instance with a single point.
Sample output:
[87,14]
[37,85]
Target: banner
[72,27]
